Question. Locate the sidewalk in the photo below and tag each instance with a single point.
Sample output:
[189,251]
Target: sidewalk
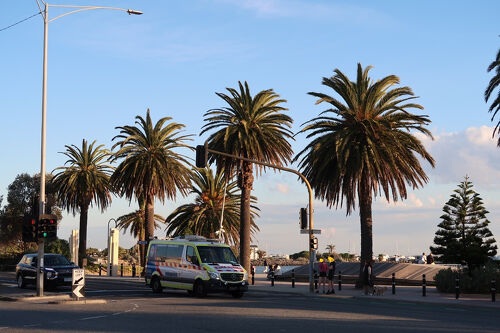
[411,294]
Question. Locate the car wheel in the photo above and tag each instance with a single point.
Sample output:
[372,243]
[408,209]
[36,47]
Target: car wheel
[156,285]
[20,281]
[237,294]
[199,289]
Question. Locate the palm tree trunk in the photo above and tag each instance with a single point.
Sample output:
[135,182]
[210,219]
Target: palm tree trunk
[82,242]
[142,247]
[246,183]
[149,217]
[365,219]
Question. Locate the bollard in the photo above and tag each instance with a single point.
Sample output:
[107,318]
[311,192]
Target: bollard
[133,270]
[316,281]
[252,271]
[272,278]
[493,290]
[340,280]
[423,285]
[121,270]
[394,283]
[100,269]
[293,278]
[457,286]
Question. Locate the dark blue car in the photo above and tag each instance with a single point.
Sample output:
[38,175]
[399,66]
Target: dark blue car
[57,270]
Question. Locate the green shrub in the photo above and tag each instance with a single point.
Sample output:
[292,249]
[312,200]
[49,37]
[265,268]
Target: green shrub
[477,281]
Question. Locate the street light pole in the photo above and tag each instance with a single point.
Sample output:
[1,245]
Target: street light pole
[46,20]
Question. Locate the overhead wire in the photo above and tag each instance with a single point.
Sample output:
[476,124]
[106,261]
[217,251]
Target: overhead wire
[10,26]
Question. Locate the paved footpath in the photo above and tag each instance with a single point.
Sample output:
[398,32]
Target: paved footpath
[403,293]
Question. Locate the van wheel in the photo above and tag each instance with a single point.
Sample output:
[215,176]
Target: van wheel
[20,281]
[156,285]
[237,294]
[199,289]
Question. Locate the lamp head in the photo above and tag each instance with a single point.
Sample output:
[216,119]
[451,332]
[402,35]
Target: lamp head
[135,12]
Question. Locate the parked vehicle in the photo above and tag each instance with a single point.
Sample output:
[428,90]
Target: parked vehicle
[195,264]
[57,270]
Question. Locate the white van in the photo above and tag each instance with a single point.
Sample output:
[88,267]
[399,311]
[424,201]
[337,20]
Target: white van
[195,264]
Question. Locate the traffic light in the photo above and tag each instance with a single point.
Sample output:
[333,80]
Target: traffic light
[313,243]
[303,218]
[29,229]
[47,227]
[201,156]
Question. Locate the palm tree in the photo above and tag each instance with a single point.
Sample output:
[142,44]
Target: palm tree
[249,127]
[82,181]
[494,82]
[364,146]
[137,224]
[203,216]
[330,248]
[150,167]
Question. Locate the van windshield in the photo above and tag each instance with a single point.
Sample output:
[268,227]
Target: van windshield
[217,255]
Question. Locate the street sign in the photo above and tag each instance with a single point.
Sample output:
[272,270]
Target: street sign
[142,242]
[78,282]
[315,231]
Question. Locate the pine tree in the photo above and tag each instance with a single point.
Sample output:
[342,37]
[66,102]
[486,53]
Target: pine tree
[463,236]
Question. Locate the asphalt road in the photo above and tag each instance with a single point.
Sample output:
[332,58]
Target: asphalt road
[131,307]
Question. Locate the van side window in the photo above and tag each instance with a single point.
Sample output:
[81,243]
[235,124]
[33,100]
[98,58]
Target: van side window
[161,252]
[191,256]
[152,253]
[174,253]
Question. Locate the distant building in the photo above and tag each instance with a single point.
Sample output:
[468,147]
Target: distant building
[253,252]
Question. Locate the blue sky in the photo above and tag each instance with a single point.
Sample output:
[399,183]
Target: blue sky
[105,67]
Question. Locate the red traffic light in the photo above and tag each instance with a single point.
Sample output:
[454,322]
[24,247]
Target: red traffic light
[52,221]
[33,221]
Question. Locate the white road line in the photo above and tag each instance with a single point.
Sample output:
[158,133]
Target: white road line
[2,328]
[116,313]
[112,290]
[95,317]
[31,325]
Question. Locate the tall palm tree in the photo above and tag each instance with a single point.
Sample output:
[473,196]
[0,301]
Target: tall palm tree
[151,167]
[494,82]
[213,200]
[83,180]
[249,127]
[137,224]
[364,146]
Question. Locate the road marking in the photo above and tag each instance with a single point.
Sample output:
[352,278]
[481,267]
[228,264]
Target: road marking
[455,309]
[95,317]
[31,325]
[114,290]
[2,328]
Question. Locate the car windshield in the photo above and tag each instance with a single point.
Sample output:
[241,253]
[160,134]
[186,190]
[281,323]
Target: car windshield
[55,261]
[217,255]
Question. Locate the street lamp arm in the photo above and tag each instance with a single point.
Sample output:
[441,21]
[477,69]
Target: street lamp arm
[85,8]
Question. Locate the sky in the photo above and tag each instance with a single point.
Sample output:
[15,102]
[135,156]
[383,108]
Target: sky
[106,67]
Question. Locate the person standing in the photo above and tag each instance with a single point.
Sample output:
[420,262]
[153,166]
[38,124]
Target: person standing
[323,268]
[331,274]
[368,277]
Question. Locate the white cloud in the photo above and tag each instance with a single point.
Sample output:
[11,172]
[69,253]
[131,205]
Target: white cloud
[471,152]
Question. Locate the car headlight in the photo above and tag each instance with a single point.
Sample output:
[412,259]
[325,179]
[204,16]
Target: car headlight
[214,275]
[50,273]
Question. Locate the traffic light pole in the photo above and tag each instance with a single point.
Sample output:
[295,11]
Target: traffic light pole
[309,189]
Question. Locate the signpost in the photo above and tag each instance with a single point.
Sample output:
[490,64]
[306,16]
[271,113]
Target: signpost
[78,282]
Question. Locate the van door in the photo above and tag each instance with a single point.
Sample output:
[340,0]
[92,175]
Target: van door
[192,265]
